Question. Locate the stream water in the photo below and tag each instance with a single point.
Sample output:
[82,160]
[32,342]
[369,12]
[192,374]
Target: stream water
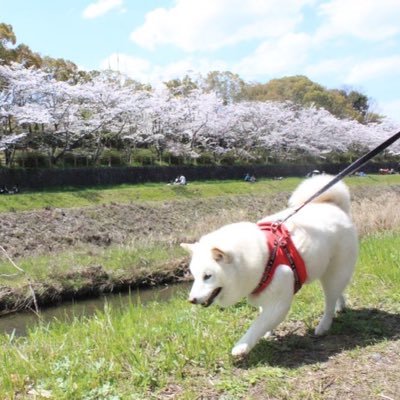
[18,324]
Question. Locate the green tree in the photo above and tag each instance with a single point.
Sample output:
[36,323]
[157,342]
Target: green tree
[24,55]
[181,87]
[7,38]
[62,70]
[345,103]
[7,35]
[292,88]
[227,85]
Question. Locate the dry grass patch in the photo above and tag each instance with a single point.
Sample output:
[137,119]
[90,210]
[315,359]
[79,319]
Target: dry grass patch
[378,214]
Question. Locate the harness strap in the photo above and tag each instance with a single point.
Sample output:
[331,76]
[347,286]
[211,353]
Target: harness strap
[282,251]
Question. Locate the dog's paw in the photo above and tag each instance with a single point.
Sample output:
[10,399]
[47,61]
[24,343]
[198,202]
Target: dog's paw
[322,328]
[240,350]
[268,335]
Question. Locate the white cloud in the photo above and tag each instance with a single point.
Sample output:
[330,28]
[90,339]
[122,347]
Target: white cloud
[363,19]
[380,68]
[194,25]
[101,7]
[285,55]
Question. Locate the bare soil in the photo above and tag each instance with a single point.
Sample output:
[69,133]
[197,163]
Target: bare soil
[25,234]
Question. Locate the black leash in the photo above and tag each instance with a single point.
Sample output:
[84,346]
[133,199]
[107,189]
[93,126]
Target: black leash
[347,171]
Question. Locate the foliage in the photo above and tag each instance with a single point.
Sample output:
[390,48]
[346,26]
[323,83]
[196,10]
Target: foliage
[301,90]
[228,86]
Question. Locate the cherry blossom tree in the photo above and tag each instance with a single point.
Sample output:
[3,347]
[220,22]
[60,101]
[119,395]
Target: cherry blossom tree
[59,117]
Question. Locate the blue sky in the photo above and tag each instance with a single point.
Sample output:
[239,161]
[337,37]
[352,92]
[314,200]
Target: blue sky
[337,43]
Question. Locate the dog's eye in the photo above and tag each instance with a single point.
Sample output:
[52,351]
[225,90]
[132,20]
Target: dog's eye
[206,276]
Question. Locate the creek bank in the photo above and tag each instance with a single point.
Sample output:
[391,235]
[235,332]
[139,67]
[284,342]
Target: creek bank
[89,282]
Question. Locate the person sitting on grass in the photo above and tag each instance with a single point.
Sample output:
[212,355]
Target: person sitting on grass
[182,180]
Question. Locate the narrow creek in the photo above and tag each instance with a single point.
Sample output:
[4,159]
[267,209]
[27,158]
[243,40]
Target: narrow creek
[20,323]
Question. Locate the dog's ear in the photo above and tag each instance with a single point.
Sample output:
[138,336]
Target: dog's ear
[221,256]
[189,247]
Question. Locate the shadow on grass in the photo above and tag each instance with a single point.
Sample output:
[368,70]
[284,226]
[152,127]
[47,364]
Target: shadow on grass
[183,191]
[93,196]
[351,329]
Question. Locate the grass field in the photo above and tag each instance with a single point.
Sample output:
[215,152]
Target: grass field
[74,197]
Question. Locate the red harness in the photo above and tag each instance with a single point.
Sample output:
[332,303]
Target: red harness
[281,251]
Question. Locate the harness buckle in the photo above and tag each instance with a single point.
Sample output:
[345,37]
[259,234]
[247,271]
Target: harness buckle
[275,226]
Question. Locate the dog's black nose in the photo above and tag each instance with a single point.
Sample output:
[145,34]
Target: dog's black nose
[193,300]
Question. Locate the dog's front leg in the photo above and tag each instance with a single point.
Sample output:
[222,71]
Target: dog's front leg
[276,300]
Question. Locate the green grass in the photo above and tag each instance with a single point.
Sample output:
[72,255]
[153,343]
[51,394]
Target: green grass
[117,261]
[143,352]
[379,271]
[73,197]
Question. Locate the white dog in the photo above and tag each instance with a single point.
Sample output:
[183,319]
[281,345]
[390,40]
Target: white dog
[234,261]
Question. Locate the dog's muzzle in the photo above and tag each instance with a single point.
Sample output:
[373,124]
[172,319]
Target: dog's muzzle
[210,299]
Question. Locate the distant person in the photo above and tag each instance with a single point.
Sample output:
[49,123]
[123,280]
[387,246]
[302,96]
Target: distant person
[360,173]
[313,173]
[253,179]
[247,177]
[182,180]
[14,190]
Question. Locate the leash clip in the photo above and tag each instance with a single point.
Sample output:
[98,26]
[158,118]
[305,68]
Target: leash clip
[275,226]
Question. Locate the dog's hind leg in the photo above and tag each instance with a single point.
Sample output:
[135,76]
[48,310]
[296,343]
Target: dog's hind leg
[340,304]
[334,281]
[276,304]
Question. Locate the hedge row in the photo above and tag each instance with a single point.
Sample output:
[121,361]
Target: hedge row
[75,177]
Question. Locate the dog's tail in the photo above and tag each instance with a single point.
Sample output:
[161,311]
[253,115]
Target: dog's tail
[338,194]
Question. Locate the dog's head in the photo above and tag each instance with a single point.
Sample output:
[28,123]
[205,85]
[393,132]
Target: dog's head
[211,268]
[226,264]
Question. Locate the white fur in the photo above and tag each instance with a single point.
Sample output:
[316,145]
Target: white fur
[234,257]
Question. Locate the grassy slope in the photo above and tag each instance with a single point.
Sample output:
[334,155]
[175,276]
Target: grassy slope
[175,348]
[117,261]
[67,197]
